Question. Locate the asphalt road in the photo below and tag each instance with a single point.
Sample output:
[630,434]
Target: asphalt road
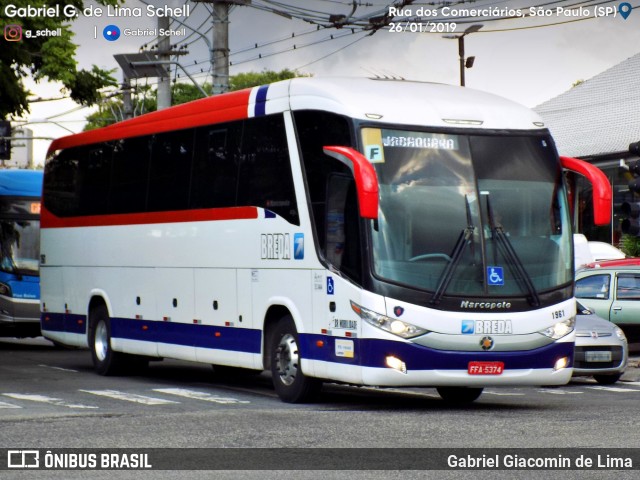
[50,398]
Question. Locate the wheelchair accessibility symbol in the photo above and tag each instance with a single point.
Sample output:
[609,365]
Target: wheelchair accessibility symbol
[495,276]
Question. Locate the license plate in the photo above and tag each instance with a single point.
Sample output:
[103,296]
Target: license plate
[597,356]
[485,368]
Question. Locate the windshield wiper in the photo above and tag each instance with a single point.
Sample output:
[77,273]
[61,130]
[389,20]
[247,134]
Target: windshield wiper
[511,255]
[465,238]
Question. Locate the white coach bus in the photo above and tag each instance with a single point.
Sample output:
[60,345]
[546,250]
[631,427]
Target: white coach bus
[364,231]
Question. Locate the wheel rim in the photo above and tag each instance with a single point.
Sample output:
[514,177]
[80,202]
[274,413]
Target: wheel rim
[101,341]
[287,359]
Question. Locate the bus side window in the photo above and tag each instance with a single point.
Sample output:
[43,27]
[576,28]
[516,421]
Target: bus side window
[170,171]
[214,178]
[342,226]
[94,172]
[61,173]
[129,175]
[325,177]
[265,178]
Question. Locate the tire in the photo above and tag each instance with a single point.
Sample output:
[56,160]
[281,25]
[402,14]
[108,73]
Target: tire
[105,360]
[607,379]
[290,383]
[459,395]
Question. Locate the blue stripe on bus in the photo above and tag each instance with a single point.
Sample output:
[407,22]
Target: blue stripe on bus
[367,352]
[186,334]
[61,322]
[261,100]
[371,352]
[190,335]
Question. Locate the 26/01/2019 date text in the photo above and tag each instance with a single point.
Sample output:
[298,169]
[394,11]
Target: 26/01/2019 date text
[422,27]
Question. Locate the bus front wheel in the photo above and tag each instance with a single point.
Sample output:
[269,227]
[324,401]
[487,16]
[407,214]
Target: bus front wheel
[290,383]
[459,395]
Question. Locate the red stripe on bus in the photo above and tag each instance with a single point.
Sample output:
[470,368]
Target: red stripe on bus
[206,111]
[49,220]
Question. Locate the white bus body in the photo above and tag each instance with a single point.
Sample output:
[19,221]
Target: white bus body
[291,280]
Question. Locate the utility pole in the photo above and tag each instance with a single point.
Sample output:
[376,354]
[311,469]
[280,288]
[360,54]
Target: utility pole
[164,55]
[220,45]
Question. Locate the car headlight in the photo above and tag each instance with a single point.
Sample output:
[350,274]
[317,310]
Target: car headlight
[619,333]
[391,325]
[560,329]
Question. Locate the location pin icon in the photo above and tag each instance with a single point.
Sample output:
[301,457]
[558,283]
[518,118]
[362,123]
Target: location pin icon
[624,9]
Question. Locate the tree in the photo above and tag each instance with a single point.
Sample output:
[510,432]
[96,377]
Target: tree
[253,79]
[111,111]
[44,57]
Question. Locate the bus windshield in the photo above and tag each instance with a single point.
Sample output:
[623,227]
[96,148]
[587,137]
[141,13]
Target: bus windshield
[19,246]
[480,215]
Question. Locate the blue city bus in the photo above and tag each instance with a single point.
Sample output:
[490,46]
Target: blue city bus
[20,192]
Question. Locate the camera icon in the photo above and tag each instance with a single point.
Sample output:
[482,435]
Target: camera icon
[13,33]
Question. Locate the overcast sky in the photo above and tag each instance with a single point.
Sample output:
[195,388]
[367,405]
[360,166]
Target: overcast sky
[513,59]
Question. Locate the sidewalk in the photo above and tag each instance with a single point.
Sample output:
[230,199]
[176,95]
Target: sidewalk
[632,373]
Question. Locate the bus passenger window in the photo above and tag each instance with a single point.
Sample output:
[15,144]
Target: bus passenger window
[265,170]
[130,171]
[170,172]
[215,166]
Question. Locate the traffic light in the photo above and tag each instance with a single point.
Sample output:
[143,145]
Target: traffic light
[5,140]
[631,210]
[631,224]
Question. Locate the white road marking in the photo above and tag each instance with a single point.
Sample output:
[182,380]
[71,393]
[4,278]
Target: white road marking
[207,397]
[8,405]
[58,368]
[503,394]
[44,399]
[129,397]
[613,389]
[558,391]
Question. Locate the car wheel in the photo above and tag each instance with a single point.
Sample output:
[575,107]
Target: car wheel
[607,379]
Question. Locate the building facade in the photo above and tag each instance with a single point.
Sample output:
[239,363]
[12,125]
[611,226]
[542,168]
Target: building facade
[598,120]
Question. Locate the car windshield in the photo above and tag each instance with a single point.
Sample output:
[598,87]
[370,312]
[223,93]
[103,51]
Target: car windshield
[481,215]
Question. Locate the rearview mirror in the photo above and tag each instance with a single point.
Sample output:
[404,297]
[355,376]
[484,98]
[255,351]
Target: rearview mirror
[364,175]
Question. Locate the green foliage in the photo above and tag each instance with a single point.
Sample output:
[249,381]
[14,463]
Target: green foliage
[85,85]
[630,245]
[186,92]
[254,79]
[44,57]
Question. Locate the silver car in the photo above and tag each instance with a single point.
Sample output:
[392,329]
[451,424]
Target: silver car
[601,348]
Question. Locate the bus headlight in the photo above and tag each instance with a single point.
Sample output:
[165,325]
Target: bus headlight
[560,329]
[5,290]
[391,325]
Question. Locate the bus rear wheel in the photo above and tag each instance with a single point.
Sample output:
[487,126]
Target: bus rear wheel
[106,361]
[459,395]
[290,383]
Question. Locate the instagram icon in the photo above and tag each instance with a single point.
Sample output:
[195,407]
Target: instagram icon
[12,33]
